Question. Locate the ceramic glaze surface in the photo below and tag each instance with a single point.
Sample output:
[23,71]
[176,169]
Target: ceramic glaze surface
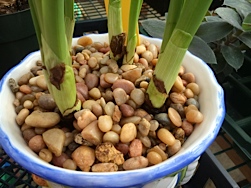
[212,106]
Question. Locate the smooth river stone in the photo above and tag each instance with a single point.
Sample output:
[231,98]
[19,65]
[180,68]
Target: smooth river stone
[43,119]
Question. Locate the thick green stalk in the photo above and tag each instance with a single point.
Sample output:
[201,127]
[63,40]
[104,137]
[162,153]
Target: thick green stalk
[69,20]
[115,29]
[114,18]
[54,22]
[132,39]
[173,15]
[167,68]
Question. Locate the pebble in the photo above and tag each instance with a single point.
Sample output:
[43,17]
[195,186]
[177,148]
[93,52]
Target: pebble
[84,152]
[153,49]
[109,108]
[124,84]
[194,116]
[22,115]
[105,123]
[103,83]
[93,62]
[25,78]
[193,101]
[154,158]
[194,87]
[92,133]
[25,89]
[97,109]
[132,75]
[189,77]
[126,68]
[84,41]
[158,150]
[112,137]
[43,119]
[49,139]
[132,119]
[128,132]
[29,97]
[140,49]
[85,118]
[95,93]
[126,110]
[144,127]
[135,163]
[135,148]
[41,82]
[163,119]
[105,167]
[82,72]
[28,104]
[166,136]
[147,55]
[46,102]
[116,116]
[178,98]
[111,77]
[120,96]
[178,84]
[138,96]
[91,80]
[174,117]
[113,66]
[83,89]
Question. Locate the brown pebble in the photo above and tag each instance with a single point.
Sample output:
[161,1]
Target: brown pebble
[126,110]
[174,117]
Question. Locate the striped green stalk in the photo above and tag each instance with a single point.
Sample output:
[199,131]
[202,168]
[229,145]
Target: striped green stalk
[190,17]
[114,18]
[54,24]
[115,29]
[132,39]
[173,15]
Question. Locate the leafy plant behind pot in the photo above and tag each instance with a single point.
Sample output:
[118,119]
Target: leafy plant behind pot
[222,38]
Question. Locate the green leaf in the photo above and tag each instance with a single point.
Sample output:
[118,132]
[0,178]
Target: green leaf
[214,18]
[233,56]
[230,16]
[154,27]
[222,68]
[243,7]
[221,63]
[214,30]
[245,38]
[202,50]
[246,24]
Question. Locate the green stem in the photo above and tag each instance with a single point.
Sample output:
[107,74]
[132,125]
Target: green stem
[114,18]
[173,15]
[167,68]
[135,9]
[54,23]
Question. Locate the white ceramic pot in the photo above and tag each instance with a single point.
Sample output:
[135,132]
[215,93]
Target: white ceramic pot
[212,105]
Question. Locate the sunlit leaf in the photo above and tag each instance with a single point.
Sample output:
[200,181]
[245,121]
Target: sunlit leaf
[214,30]
[200,48]
[230,16]
[246,24]
[154,27]
[233,56]
[245,38]
[243,7]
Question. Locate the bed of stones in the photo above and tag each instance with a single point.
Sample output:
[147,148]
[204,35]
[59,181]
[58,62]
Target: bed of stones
[116,129]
